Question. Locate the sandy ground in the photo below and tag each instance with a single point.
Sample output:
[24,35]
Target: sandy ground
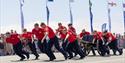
[60,59]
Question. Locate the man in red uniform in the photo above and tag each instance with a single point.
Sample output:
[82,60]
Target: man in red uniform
[71,29]
[39,34]
[17,46]
[28,37]
[53,41]
[73,44]
[62,36]
[60,28]
[112,42]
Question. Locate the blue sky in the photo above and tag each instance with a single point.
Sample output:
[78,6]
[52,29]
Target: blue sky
[35,12]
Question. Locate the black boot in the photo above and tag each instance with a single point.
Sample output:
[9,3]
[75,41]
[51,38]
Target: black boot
[82,57]
[22,58]
[120,51]
[66,56]
[37,57]
[27,55]
[52,59]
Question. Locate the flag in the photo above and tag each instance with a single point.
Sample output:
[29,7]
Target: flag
[111,3]
[21,13]
[91,15]
[104,27]
[124,20]
[21,2]
[109,19]
[70,10]
[71,0]
[124,15]
[123,5]
[48,13]
[50,0]
[71,16]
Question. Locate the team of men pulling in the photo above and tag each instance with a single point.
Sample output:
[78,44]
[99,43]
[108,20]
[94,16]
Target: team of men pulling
[70,41]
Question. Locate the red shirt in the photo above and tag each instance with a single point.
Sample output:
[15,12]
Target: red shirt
[72,29]
[83,34]
[98,36]
[27,35]
[62,36]
[8,40]
[72,37]
[110,35]
[15,35]
[60,29]
[13,39]
[38,33]
[50,31]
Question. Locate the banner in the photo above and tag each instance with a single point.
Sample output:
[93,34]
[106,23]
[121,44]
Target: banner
[91,15]
[124,15]
[21,13]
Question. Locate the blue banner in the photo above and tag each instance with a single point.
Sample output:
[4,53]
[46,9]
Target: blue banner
[48,13]
[71,0]
[70,10]
[71,16]
[124,15]
[91,15]
[21,13]
[124,21]
[50,0]
[109,19]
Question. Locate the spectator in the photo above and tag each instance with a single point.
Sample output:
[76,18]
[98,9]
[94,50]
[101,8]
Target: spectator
[1,46]
[8,48]
[124,41]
